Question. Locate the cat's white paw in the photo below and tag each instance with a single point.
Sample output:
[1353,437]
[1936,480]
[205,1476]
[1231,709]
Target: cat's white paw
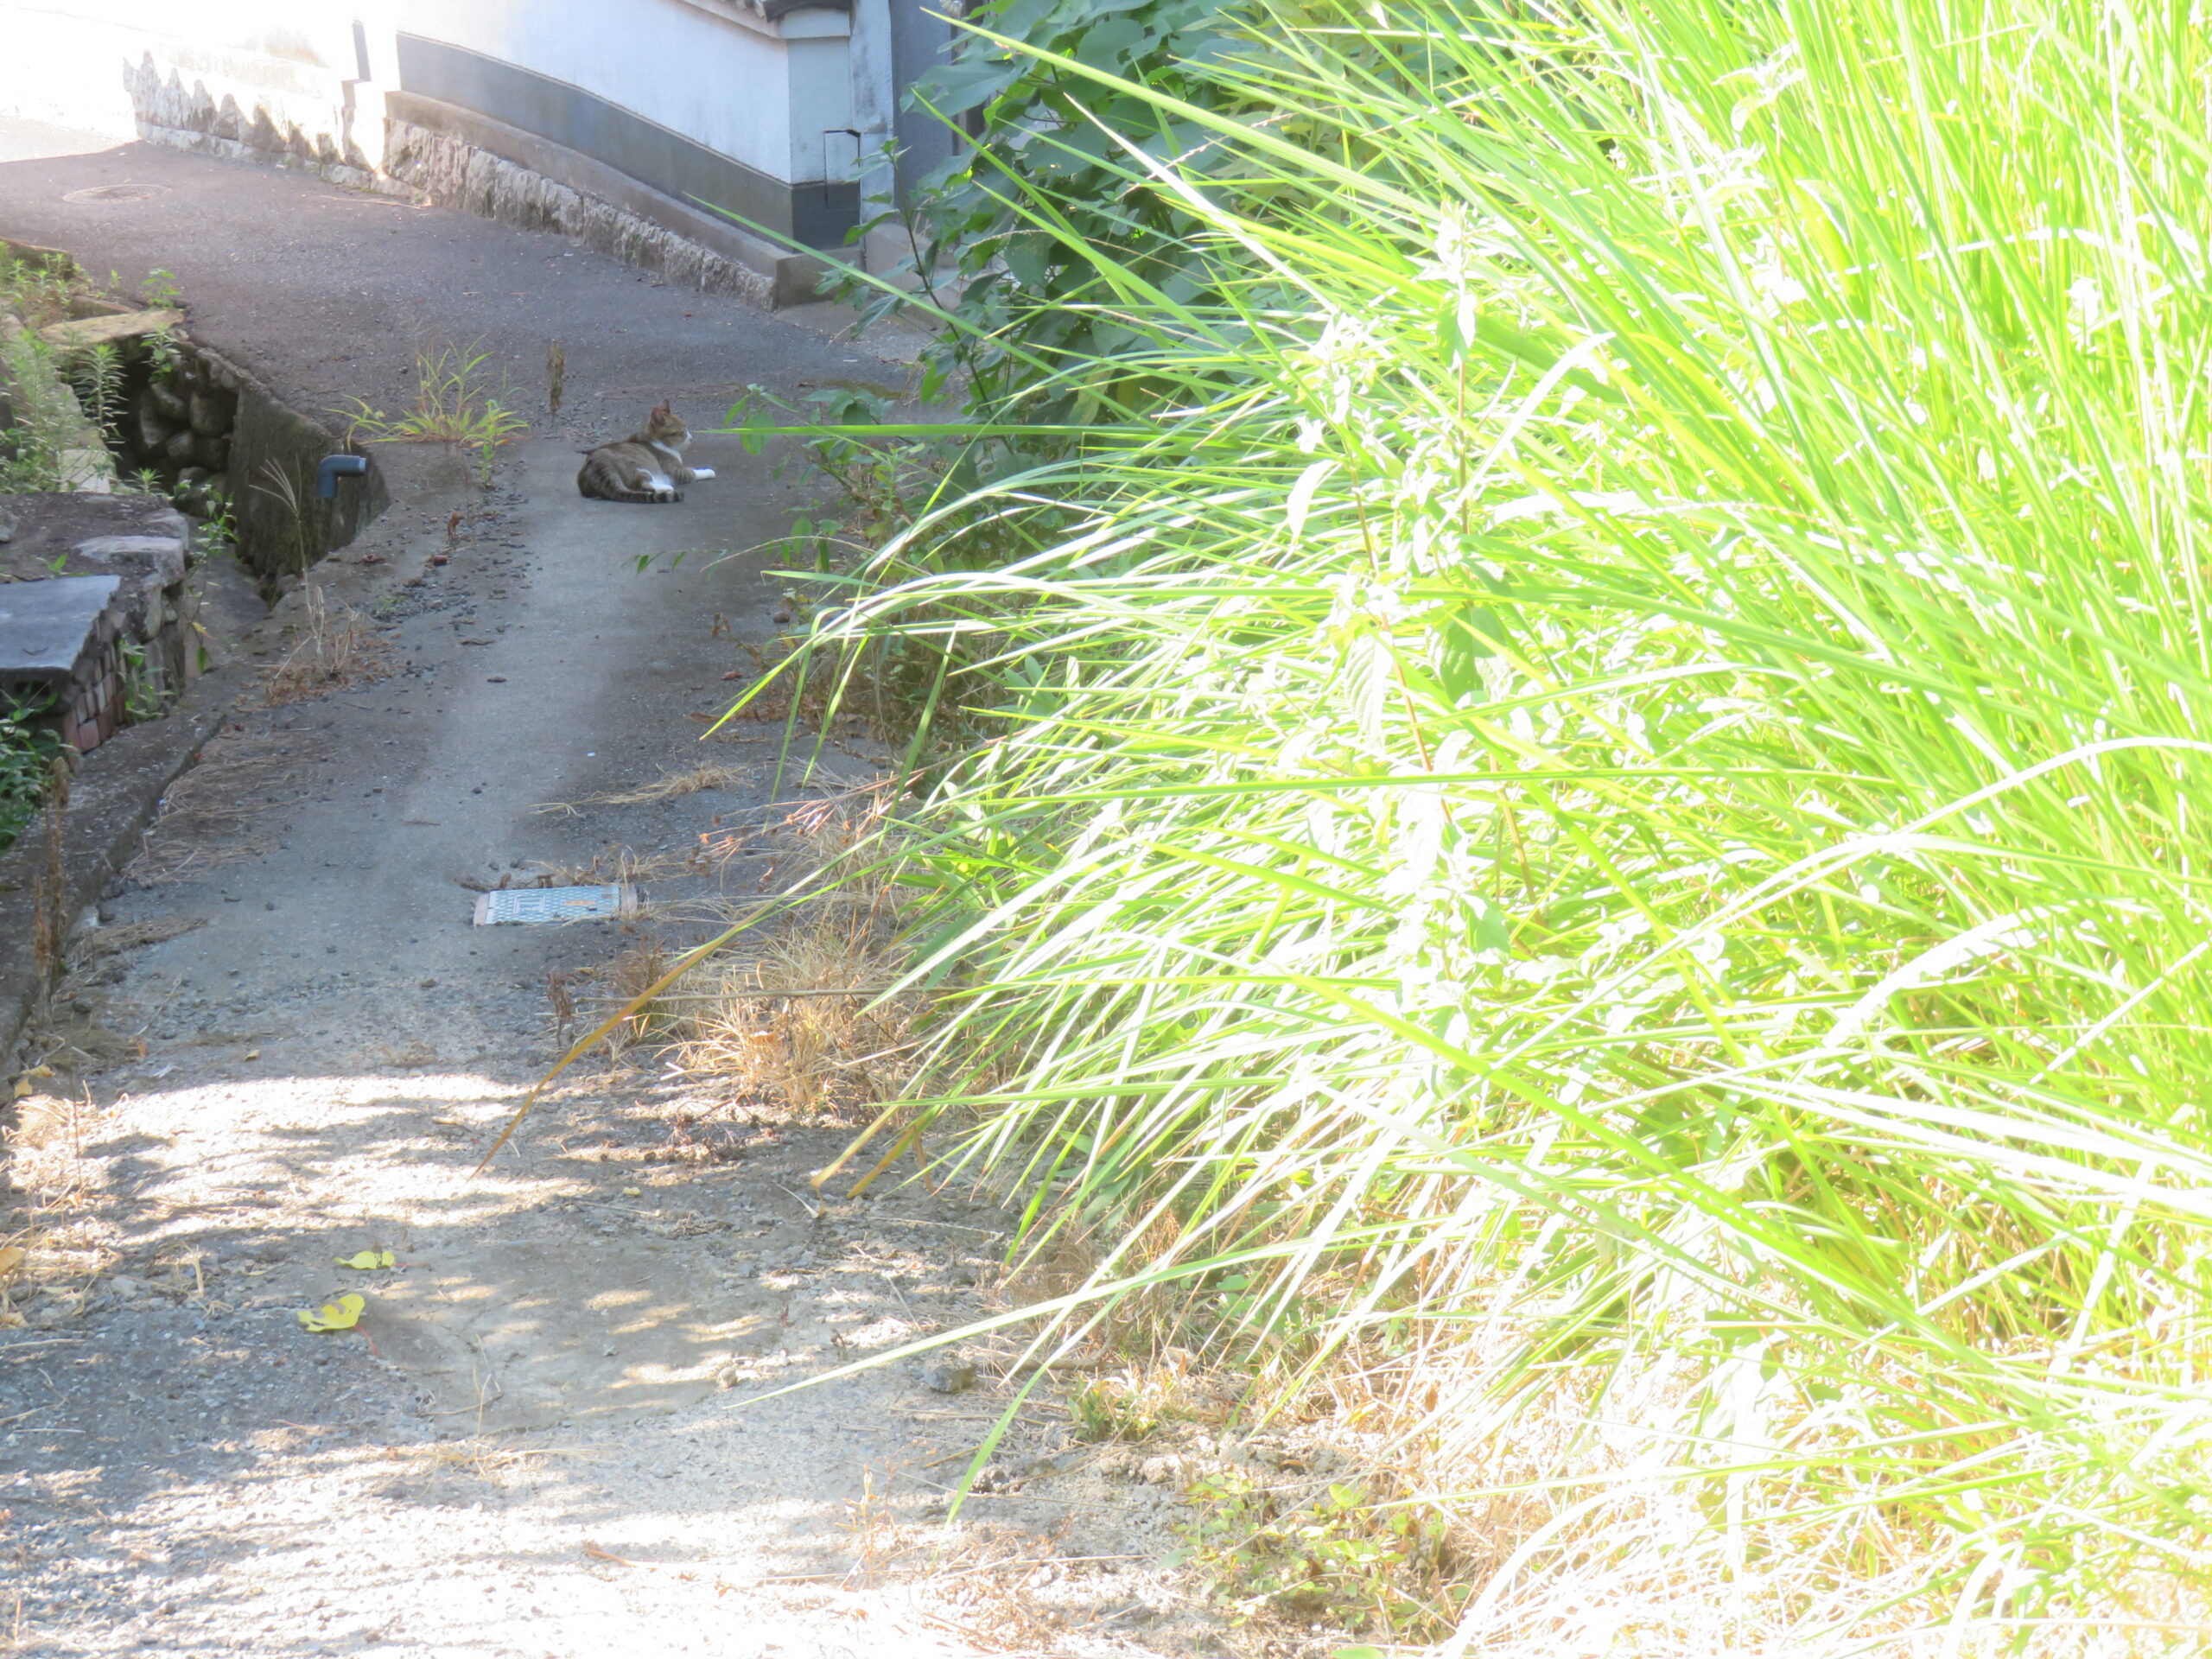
[702,472]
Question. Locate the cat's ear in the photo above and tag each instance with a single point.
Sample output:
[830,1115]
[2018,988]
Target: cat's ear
[661,410]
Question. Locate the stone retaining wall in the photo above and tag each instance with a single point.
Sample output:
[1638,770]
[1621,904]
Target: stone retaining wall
[214,441]
[193,118]
[136,640]
[455,174]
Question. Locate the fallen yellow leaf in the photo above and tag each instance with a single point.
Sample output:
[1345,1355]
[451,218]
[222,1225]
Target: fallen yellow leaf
[341,1315]
[253,1053]
[22,1088]
[11,1257]
[365,1260]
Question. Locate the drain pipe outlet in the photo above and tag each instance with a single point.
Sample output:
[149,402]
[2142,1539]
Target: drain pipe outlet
[334,467]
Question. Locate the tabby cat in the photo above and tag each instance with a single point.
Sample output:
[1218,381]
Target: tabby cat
[647,466]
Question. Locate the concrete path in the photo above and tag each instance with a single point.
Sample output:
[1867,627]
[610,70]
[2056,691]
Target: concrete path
[327,293]
[536,1440]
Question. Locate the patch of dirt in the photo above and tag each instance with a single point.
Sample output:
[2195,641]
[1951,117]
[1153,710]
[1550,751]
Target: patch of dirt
[568,1416]
[572,1364]
[210,816]
[93,943]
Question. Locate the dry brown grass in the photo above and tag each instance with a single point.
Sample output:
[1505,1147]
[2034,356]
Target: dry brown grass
[860,708]
[796,1019]
[335,650]
[1527,1535]
[208,815]
[803,1022]
[621,864]
[988,1589]
[691,781]
[56,1243]
[479,1456]
[1490,1517]
[97,942]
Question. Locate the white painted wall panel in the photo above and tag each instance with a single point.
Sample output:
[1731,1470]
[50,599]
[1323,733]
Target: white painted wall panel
[736,88]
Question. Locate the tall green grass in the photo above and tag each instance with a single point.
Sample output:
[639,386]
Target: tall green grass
[1587,795]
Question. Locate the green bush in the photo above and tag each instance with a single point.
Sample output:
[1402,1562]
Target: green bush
[1593,744]
[27,753]
[1028,303]
[45,416]
[1338,1555]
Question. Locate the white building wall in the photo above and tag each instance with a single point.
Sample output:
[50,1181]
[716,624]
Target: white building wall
[70,61]
[758,92]
[763,94]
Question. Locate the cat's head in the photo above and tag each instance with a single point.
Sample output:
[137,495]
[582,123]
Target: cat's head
[664,425]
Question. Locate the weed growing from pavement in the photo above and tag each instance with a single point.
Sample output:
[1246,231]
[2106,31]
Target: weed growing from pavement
[143,697]
[455,404]
[276,483]
[37,291]
[96,376]
[335,649]
[1130,1406]
[160,290]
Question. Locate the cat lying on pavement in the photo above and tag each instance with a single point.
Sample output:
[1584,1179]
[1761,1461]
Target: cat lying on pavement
[647,466]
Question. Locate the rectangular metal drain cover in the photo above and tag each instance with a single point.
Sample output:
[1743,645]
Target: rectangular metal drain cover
[554,904]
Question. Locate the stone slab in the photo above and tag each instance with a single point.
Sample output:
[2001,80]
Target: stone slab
[87,332]
[54,524]
[30,253]
[162,557]
[46,627]
[141,539]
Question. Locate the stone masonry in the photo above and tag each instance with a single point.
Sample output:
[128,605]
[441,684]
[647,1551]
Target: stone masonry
[95,609]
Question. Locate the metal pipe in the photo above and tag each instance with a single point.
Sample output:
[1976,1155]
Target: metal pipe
[334,467]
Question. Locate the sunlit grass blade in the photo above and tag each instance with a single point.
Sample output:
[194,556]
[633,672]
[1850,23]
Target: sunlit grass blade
[1582,794]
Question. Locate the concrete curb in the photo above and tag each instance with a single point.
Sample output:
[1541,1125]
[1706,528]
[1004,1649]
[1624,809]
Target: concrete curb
[460,159]
[116,791]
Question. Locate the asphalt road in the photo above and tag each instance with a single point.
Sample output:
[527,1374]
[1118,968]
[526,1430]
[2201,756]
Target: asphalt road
[328,294]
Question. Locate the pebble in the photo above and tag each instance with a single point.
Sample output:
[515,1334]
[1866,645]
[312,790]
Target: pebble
[948,1376]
